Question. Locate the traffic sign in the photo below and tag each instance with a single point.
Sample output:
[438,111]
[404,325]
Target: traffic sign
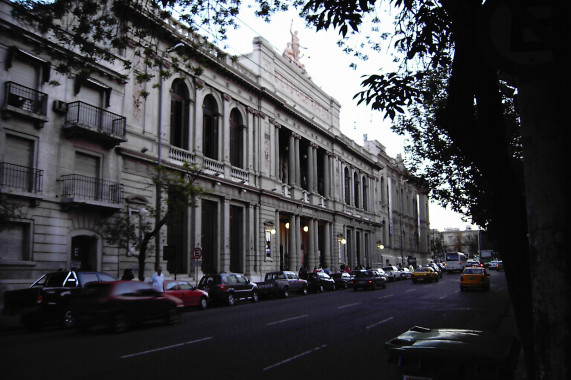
[197,253]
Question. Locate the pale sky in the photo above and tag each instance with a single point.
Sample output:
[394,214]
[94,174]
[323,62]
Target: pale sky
[329,68]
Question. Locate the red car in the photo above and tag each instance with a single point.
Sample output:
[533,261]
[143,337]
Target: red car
[187,293]
[118,304]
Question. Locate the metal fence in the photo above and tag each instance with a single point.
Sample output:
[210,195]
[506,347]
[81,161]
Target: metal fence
[95,118]
[25,98]
[76,186]
[21,177]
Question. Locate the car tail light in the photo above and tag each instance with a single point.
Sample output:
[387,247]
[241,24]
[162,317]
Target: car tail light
[222,287]
[39,297]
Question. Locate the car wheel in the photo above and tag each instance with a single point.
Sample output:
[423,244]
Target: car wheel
[173,316]
[304,291]
[285,292]
[67,319]
[461,288]
[231,300]
[255,296]
[119,323]
[203,303]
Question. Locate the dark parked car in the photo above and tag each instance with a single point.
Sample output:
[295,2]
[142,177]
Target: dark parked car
[229,288]
[368,279]
[46,301]
[342,280]
[320,281]
[187,293]
[117,304]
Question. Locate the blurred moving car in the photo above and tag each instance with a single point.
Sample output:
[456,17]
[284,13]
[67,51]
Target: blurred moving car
[424,274]
[117,304]
[342,280]
[229,288]
[320,281]
[187,293]
[475,278]
[368,279]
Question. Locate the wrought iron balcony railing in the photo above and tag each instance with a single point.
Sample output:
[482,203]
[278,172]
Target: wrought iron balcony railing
[21,177]
[25,98]
[76,188]
[83,117]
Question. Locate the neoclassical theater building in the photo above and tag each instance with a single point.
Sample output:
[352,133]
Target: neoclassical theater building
[286,188]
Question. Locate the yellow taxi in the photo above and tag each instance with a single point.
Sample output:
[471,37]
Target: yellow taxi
[424,274]
[475,277]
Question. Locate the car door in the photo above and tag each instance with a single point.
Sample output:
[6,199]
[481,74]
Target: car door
[190,297]
[242,287]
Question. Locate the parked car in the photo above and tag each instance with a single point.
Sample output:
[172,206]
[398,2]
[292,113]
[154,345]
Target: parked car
[475,278]
[229,288]
[368,279]
[187,293]
[342,280]
[392,272]
[320,281]
[46,301]
[118,304]
[406,274]
[282,283]
[425,274]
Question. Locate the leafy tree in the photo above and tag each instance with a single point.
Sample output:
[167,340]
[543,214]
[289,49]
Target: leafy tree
[182,191]
[9,210]
[482,162]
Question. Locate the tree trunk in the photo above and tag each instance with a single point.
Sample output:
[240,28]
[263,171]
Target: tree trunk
[544,114]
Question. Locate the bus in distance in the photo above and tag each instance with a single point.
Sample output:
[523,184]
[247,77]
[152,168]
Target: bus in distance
[485,257]
[455,261]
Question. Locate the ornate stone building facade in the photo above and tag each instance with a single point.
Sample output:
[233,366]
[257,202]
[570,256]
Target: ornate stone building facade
[286,187]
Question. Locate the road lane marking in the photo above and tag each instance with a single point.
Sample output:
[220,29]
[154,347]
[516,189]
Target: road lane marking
[294,357]
[287,320]
[165,348]
[443,297]
[387,296]
[379,323]
[349,305]
[409,290]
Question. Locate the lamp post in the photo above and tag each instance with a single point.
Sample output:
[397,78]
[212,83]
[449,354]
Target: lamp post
[159,153]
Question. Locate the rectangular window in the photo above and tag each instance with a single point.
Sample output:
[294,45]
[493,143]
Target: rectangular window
[15,242]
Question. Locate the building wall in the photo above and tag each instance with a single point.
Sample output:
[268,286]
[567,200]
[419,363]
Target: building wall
[293,174]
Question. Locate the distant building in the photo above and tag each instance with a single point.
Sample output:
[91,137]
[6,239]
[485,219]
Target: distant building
[286,188]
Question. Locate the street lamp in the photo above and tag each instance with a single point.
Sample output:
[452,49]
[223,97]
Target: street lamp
[159,153]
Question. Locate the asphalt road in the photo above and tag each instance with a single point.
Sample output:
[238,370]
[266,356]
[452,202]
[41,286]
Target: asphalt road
[335,334]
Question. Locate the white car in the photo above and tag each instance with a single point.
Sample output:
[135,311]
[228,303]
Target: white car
[393,273]
[494,264]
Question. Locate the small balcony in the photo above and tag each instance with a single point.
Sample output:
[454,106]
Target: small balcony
[95,123]
[80,189]
[24,102]
[20,179]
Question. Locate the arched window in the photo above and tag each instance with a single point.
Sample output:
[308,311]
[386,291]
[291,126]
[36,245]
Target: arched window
[179,126]
[347,186]
[210,127]
[236,139]
[356,189]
